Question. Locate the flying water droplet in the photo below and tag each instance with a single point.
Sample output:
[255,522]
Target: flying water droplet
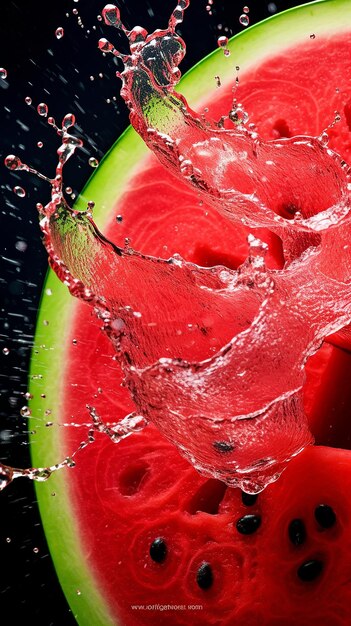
[3,73]
[68,121]
[19,191]
[13,162]
[42,109]
[28,100]
[59,32]
[40,144]
[93,162]
[223,43]
[244,19]
[246,9]
[5,351]
[25,411]
[111,15]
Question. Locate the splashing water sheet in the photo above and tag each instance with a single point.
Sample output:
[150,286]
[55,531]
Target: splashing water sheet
[205,352]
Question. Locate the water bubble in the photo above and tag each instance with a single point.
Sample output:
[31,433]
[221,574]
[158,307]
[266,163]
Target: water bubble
[25,411]
[244,19]
[42,109]
[19,191]
[5,351]
[13,162]
[3,73]
[93,162]
[28,100]
[59,32]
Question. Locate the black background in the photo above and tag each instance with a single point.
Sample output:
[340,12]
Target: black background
[58,72]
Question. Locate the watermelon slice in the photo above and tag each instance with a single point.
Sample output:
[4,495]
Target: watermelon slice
[137,536]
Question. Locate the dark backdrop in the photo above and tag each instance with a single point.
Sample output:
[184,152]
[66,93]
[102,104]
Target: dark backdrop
[57,72]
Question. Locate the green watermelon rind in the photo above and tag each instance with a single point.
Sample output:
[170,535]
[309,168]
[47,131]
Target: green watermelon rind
[51,341]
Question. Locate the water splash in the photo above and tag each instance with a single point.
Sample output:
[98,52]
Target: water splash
[209,355]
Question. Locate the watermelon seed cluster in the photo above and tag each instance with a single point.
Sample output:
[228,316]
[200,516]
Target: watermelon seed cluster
[326,518]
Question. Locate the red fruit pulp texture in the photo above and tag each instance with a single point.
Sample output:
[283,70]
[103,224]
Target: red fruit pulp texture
[127,495]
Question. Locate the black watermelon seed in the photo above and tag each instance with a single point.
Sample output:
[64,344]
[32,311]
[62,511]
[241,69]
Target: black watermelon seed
[223,446]
[204,576]
[325,515]
[158,550]
[248,498]
[297,532]
[310,570]
[248,524]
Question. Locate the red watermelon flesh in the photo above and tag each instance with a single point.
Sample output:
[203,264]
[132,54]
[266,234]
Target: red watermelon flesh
[130,495]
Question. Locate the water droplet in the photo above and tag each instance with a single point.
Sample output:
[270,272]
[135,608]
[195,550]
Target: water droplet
[25,411]
[68,121]
[51,121]
[93,162]
[3,73]
[13,162]
[244,19]
[312,36]
[42,109]
[6,351]
[272,7]
[222,42]
[119,218]
[59,32]
[75,11]
[105,45]
[78,592]
[35,550]
[21,246]
[69,190]
[111,15]
[246,10]
[8,539]
[28,395]
[40,144]
[28,100]
[19,191]
[6,476]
